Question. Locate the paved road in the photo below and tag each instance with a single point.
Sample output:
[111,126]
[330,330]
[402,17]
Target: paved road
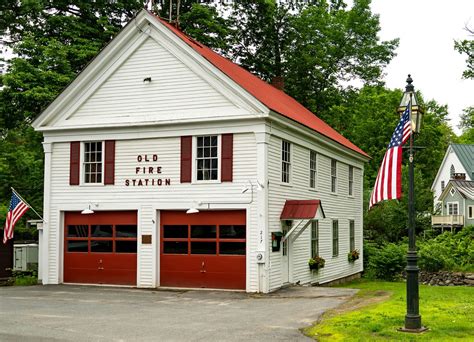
[83,313]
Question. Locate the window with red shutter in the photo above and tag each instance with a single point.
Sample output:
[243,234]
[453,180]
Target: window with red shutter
[186,156]
[227,157]
[74,160]
[109,172]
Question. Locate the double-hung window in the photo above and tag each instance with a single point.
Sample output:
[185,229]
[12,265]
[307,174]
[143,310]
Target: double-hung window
[333,175]
[335,238]
[314,239]
[470,212]
[312,169]
[351,180]
[207,159]
[351,235]
[453,208]
[285,161]
[93,162]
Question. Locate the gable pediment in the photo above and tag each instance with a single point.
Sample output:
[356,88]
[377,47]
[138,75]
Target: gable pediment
[114,90]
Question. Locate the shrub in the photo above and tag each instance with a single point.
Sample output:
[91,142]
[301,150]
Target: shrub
[387,262]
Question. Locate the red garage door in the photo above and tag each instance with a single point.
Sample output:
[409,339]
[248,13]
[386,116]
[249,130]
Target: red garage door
[206,249]
[101,248]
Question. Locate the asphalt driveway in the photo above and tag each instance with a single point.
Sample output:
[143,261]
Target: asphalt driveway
[85,313]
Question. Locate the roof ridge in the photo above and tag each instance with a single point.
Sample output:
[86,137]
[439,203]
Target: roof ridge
[275,99]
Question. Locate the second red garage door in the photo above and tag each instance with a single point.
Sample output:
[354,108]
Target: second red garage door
[206,249]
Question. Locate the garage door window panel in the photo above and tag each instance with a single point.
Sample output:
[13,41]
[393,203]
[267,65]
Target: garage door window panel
[203,247]
[102,231]
[175,247]
[102,246]
[78,231]
[232,248]
[203,232]
[126,231]
[78,246]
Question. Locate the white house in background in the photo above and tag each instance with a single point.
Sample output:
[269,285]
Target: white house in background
[458,163]
[168,165]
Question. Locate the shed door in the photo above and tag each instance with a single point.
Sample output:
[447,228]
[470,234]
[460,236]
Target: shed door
[206,249]
[101,248]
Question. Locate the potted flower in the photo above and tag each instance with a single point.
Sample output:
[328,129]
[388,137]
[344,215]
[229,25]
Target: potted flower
[353,255]
[316,263]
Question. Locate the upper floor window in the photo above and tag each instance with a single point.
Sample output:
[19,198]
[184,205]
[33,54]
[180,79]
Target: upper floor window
[314,239]
[93,162]
[333,175]
[453,208]
[335,238]
[312,169]
[443,185]
[285,161]
[351,235]
[207,160]
[351,180]
[452,171]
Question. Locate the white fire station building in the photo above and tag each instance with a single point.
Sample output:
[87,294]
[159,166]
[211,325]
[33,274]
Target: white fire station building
[167,165]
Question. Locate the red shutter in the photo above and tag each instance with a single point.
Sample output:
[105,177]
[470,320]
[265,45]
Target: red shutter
[74,158]
[109,170]
[227,157]
[186,155]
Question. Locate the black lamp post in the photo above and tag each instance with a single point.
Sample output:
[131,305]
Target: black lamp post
[412,317]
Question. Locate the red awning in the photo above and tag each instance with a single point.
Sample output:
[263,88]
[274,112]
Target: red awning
[302,210]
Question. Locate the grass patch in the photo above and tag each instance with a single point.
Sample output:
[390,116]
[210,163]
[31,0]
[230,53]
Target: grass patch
[378,310]
[26,281]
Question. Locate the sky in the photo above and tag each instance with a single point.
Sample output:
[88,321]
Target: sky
[427,30]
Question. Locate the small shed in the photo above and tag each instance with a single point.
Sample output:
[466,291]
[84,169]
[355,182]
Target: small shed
[26,257]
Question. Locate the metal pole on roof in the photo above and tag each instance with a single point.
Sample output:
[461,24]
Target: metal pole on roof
[171,10]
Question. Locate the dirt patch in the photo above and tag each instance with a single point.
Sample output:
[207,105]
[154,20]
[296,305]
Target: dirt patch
[359,301]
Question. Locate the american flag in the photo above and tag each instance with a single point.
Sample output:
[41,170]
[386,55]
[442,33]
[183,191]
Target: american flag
[17,209]
[388,184]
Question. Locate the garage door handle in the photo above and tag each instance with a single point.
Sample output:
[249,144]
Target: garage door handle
[203,271]
[100,268]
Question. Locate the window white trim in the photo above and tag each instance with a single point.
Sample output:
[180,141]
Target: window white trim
[290,173]
[194,164]
[331,176]
[470,212]
[453,204]
[352,239]
[350,181]
[82,172]
[335,238]
[315,170]
[314,239]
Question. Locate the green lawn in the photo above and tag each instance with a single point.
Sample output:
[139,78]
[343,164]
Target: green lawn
[379,308]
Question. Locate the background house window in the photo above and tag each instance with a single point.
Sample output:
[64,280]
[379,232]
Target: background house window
[314,239]
[351,180]
[93,162]
[207,158]
[285,161]
[453,208]
[452,171]
[470,212]
[351,235]
[443,185]
[333,175]
[335,238]
[312,169]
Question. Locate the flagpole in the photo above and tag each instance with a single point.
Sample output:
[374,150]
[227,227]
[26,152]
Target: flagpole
[29,206]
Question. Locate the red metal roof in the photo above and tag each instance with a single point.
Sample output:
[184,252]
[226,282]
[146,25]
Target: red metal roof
[271,97]
[300,209]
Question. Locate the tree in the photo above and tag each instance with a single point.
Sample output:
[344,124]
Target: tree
[467,126]
[466,46]
[53,41]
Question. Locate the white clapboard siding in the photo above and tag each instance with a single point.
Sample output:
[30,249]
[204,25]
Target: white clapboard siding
[175,92]
[336,206]
[147,199]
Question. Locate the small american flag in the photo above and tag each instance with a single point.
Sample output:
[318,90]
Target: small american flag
[388,184]
[17,209]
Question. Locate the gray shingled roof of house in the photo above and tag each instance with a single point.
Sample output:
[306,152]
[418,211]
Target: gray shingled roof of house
[464,187]
[465,154]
